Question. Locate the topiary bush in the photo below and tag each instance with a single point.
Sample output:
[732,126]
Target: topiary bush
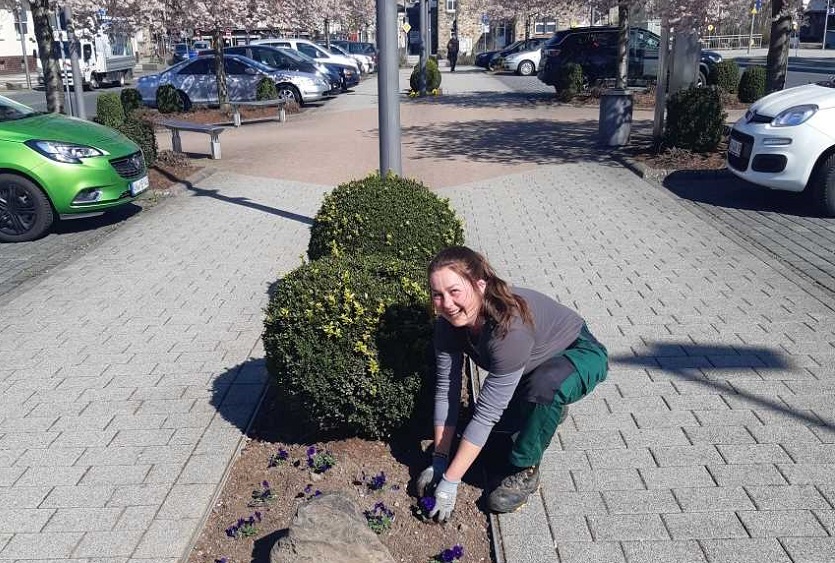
[109,110]
[168,99]
[752,84]
[727,75]
[695,119]
[131,99]
[384,215]
[569,82]
[141,132]
[266,90]
[346,342]
[433,76]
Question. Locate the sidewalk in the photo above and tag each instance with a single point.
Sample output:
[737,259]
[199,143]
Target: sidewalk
[130,372]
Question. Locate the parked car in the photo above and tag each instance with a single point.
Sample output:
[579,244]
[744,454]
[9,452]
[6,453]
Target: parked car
[365,62]
[350,75]
[484,58]
[53,166]
[196,81]
[310,49]
[201,46]
[524,58]
[786,141]
[281,59]
[359,48]
[183,52]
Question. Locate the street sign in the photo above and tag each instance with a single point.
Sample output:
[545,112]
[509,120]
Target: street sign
[406,27]
[758,5]
[754,11]
[485,19]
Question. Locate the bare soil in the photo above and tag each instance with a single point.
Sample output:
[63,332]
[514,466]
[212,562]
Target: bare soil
[291,483]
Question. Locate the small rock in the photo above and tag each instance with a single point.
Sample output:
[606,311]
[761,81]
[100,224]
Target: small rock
[316,477]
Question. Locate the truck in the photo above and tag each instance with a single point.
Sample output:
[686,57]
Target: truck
[104,58]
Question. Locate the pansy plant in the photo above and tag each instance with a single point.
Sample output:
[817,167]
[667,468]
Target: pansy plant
[244,527]
[262,496]
[379,518]
[454,553]
[319,460]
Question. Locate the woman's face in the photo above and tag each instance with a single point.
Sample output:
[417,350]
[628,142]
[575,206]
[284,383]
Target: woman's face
[455,298]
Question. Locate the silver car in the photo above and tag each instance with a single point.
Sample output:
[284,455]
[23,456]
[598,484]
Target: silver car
[196,81]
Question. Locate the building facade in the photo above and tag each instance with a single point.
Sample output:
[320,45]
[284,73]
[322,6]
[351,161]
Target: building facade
[12,53]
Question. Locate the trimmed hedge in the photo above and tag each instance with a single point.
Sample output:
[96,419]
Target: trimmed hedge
[752,84]
[131,99]
[727,76]
[695,119]
[384,215]
[433,76]
[569,82]
[346,342]
[168,99]
[109,110]
[141,132]
[266,90]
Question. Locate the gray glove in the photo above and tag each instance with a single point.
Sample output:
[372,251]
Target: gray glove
[445,495]
[429,477]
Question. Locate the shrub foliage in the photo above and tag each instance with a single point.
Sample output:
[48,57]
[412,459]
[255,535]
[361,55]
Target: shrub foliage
[569,82]
[266,90]
[752,84]
[727,75]
[168,99]
[346,341]
[109,110]
[433,76]
[384,215]
[141,132]
[131,99]
[695,119]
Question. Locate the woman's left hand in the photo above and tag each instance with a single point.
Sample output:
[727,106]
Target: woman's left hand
[445,495]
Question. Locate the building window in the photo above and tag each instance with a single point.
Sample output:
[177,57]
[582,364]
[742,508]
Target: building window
[451,5]
[544,27]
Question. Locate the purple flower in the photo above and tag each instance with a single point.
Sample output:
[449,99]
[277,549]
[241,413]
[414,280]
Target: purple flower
[377,482]
[427,504]
[222,560]
[452,554]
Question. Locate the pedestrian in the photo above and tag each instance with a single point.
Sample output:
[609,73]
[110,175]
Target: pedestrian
[539,356]
[452,52]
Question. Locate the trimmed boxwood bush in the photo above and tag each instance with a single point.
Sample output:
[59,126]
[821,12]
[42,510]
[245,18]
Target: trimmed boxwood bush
[384,215]
[109,110]
[346,342]
[266,90]
[752,84]
[141,132]
[569,82]
[727,75]
[131,99]
[433,76]
[695,119]
[168,99]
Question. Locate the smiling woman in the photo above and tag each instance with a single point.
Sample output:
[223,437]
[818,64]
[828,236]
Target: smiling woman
[52,167]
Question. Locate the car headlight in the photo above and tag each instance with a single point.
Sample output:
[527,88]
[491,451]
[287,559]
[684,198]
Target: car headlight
[64,152]
[794,116]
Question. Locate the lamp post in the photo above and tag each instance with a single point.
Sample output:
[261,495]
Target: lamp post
[22,27]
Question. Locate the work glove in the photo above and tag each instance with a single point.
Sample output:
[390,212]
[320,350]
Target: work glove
[445,494]
[429,477]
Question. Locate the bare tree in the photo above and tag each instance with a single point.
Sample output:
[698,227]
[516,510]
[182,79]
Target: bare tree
[782,14]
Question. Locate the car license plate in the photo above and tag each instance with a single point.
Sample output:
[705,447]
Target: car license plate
[735,147]
[139,186]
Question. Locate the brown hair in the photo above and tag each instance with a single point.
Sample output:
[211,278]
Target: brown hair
[499,304]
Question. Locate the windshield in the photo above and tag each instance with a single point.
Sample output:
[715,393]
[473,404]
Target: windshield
[556,39]
[11,110]
[512,47]
[297,56]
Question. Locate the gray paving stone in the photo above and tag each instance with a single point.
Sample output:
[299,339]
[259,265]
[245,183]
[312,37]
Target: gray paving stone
[657,501]
[665,419]
[624,527]
[677,456]
[726,417]
[620,459]
[186,501]
[598,439]
[810,550]
[783,434]
[570,502]
[754,474]
[41,476]
[44,545]
[559,459]
[139,495]
[713,499]
[787,497]
[588,552]
[745,550]
[115,474]
[781,523]
[591,422]
[700,525]
[809,473]
[136,518]
[695,403]
[140,437]
[676,476]
[666,551]
[202,469]
[22,520]
[116,455]
[607,479]
[530,549]
[827,520]
[83,519]
[80,496]
[99,544]
[719,435]
[655,437]
[753,454]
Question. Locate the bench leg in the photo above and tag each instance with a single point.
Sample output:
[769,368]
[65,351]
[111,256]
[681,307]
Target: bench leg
[236,117]
[176,143]
[215,147]
[282,115]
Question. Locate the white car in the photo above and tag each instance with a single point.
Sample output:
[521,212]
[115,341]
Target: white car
[525,58]
[310,49]
[365,62]
[786,141]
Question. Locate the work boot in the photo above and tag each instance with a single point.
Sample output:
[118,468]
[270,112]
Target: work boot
[514,490]
[564,414]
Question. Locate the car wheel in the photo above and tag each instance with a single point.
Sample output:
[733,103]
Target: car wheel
[186,100]
[526,68]
[122,80]
[701,80]
[823,188]
[25,212]
[288,92]
[94,82]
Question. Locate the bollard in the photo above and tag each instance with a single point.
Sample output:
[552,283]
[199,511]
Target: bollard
[615,121]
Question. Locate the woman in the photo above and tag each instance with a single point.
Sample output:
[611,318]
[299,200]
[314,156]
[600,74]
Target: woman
[539,357]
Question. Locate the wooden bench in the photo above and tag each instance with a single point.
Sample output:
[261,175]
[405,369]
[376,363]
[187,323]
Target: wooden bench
[236,115]
[213,131]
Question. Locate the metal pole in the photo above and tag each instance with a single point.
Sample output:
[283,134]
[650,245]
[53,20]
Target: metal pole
[388,80]
[825,25]
[423,55]
[22,19]
[78,82]
[68,109]
[751,33]
[661,82]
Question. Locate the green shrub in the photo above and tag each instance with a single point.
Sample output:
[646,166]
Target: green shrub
[727,75]
[168,99]
[384,215]
[569,82]
[346,343]
[109,110]
[752,84]
[695,119]
[266,90]
[433,76]
[141,132]
[131,99]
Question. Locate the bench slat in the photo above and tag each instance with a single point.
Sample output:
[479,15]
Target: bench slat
[194,127]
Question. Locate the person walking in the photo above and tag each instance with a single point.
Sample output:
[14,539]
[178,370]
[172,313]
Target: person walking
[452,52]
[539,356]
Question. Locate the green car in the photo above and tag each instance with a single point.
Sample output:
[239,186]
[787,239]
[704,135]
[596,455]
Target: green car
[53,166]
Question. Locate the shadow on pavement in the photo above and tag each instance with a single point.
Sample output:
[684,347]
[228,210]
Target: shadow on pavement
[490,99]
[110,218]
[695,363]
[540,141]
[722,189]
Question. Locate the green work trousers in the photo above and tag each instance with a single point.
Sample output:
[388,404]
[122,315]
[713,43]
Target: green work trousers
[538,422]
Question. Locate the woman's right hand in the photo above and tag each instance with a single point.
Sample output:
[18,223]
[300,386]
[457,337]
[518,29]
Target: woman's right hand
[429,477]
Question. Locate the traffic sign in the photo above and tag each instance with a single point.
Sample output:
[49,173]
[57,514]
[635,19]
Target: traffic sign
[406,27]
[754,11]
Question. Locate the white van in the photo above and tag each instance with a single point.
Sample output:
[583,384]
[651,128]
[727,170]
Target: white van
[310,49]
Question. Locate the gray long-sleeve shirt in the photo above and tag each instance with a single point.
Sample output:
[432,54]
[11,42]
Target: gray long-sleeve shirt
[506,360]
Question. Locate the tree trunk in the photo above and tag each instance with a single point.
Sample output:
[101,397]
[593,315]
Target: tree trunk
[623,44]
[220,70]
[51,72]
[778,46]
